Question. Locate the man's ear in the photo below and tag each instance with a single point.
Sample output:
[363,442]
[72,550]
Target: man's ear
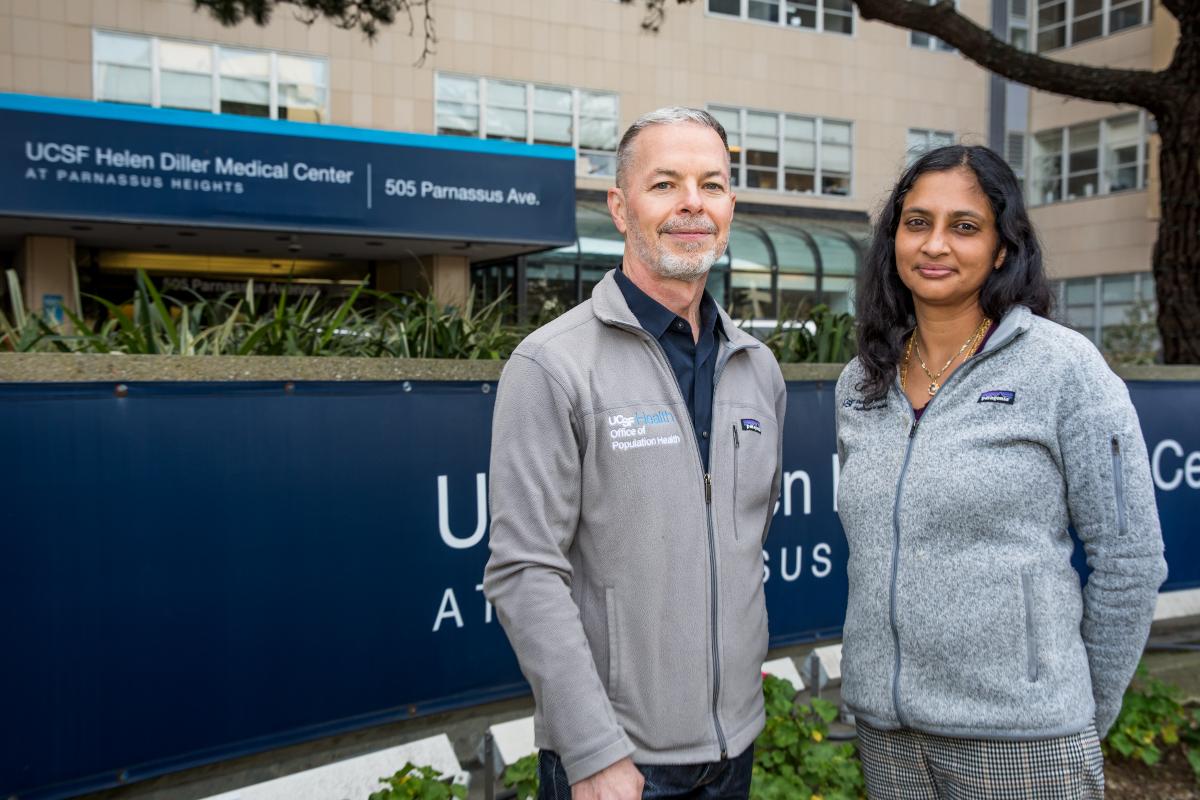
[616,207]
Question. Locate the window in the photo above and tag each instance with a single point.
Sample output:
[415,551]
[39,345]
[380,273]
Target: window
[532,113]
[1089,159]
[1014,154]
[168,73]
[1018,24]
[927,42]
[1116,312]
[830,16]
[1062,23]
[787,152]
[920,141]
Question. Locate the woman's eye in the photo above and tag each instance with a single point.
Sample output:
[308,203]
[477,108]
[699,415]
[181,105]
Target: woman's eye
[966,227]
[915,223]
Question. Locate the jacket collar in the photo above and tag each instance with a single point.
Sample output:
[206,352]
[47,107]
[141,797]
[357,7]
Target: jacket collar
[1015,321]
[609,306]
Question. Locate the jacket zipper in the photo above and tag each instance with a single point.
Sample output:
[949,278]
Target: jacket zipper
[912,433]
[712,544]
[737,445]
[1118,484]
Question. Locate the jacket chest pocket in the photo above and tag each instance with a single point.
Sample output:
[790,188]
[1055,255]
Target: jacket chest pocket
[755,456]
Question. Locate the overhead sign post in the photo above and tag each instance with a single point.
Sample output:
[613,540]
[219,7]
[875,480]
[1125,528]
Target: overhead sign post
[73,159]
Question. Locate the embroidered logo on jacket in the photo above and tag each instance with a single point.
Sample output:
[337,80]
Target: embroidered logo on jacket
[864,405]
[751,425]
[642,429]
[998,396]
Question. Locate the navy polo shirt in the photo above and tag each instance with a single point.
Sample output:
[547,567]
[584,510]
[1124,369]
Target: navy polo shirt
[693,362]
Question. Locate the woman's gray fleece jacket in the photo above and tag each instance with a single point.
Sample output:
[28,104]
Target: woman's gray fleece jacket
[965,616]
[628,580]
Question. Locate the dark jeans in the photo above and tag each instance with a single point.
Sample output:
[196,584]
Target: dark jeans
[716,780]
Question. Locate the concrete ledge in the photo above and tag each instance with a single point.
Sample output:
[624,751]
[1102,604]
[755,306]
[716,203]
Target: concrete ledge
[80,367]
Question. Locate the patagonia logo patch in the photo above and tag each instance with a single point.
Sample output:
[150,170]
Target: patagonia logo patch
[998,396]
[751,425]
[864,405]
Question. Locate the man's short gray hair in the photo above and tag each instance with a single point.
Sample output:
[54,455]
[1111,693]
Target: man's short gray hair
[670,115]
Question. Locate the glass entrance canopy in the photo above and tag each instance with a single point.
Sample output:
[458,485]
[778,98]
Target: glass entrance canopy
[777,266]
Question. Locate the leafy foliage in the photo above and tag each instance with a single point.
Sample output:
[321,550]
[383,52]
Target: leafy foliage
[522,777]
[408,326]
[418,783]
[1152,720]
[793,757]
[824,337]
[1135,341]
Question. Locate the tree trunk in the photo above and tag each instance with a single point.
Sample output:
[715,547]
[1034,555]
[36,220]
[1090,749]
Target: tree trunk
[1177,250]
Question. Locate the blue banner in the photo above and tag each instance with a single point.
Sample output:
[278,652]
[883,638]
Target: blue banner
[191,572]
[72,159]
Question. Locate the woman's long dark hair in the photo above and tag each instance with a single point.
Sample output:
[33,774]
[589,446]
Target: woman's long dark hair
[885,306]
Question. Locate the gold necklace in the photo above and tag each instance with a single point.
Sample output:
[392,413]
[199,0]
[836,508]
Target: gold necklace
[972,342]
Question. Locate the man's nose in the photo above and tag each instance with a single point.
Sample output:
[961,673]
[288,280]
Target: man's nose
[691,201]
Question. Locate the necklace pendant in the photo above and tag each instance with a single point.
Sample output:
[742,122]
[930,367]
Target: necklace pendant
[933,388]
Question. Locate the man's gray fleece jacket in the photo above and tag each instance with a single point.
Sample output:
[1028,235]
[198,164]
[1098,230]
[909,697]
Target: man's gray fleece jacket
[629,582]
[965,617]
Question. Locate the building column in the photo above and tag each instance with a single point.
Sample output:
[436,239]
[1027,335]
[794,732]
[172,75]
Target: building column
[446,278]
[46,266]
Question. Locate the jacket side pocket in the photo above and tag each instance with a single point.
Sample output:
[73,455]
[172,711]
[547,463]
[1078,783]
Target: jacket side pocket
[1118,484]
[614,653]
[737,445]
[1031,647]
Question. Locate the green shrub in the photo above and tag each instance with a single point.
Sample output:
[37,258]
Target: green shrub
[522,777]
[793,758]
[816,336]
[408,326]
[1153,720]
[418,783]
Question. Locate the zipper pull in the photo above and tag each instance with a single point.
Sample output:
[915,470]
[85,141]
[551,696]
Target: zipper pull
[737,440]
[913,430]
[707,489]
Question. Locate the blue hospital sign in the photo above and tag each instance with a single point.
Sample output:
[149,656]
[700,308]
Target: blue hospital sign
[72,159]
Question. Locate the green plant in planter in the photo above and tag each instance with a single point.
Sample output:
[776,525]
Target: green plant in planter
[793,759]
[522,777]
[418,783]
[1153,720]
[815,336]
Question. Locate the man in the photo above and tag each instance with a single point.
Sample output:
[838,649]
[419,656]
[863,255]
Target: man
[636,452]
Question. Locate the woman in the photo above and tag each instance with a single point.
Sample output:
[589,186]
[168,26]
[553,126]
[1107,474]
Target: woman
[972,431]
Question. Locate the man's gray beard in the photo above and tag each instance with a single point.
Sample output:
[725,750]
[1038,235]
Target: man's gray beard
[691,267]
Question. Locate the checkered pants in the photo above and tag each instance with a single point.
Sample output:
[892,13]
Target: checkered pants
[909,765]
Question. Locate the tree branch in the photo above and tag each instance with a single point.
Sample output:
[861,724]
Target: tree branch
[1102,84]
[367,16]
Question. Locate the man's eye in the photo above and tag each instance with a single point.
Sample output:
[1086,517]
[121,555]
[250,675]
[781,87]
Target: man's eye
[715,187]
[663,185]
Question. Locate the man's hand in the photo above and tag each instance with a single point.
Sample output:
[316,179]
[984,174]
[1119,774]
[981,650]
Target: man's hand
[619,781]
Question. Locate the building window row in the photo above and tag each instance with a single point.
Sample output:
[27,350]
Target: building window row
[921,141]
[532,113]
[1093,158]
[170,73]
[1063,23]
[787,152]
[923,41]
[1104,307]
[829,16]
